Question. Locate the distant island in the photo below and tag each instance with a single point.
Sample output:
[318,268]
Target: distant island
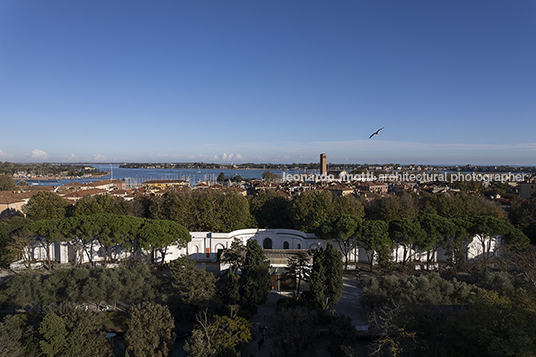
[37,171]
[333,167]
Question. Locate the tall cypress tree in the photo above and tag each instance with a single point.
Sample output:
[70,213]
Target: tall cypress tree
[255,275]
[326,278]
[318,276]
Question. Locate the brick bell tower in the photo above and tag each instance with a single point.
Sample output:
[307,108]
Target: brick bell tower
[323,164]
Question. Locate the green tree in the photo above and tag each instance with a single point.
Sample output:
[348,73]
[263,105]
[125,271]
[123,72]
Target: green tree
[150,331]
[440,204]
[425,289]
[348,204]
[195,285]
[386,264]
[233,211]
[235,254]
[372,237]
[293,332]
[197,345]
[84,336]
[221,177]
[232,288]
[456,245]
[270,176]
[105,229]
[476,205]
[326,276]
[310,210]
[490,325]
[20,247]
[255,278]
[218,335]
[522,213]
[206,211]
[110,231]
[178,207]
[484,228]
[7,229]
[45,205]
[437,230]
[24,289]
[7,183]
[130,236]
[49,231]
[16,338]
[231,331]
[298,269]
[160,234]
[97,204]
[54,334]
[392,207]
[270,210]
[83,231]
[406,232]
[341,229]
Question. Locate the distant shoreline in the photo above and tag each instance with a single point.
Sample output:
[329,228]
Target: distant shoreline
[57,178]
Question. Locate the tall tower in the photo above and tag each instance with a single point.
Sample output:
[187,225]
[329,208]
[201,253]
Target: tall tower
[323,164]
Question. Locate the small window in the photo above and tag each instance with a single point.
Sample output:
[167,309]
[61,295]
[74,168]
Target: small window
[299,246]
[285,245]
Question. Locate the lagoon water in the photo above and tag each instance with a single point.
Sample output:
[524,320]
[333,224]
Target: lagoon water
[134,177]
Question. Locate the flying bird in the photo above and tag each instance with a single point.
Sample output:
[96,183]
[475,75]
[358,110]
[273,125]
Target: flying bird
[376,133]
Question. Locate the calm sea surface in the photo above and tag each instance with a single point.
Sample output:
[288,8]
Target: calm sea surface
[134,177]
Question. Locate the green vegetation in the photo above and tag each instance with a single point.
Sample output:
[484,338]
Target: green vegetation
[45,205]
[428,315]
[202,211]
[255,279]
[47,169]
[7,183]
[83,285]
[194,285]
[326,276]
[217,335]
[149,331]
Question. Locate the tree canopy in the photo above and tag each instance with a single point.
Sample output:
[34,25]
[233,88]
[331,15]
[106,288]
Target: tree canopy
[326,276]
[45,205]
[7,183]
[255,278]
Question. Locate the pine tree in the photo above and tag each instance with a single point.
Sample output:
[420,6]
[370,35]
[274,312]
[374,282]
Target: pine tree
[298,269]
[255,275]
[150,330]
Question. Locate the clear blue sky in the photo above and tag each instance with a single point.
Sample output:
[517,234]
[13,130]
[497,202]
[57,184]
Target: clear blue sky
[452,82]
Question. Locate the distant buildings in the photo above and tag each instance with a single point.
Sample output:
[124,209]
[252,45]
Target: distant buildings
[163,184]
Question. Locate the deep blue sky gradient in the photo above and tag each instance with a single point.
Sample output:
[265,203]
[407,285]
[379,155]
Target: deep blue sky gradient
[452,82]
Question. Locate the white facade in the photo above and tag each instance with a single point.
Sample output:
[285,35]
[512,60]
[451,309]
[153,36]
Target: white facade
[206,247]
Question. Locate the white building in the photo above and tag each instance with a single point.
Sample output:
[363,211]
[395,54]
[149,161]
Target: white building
[206,247]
